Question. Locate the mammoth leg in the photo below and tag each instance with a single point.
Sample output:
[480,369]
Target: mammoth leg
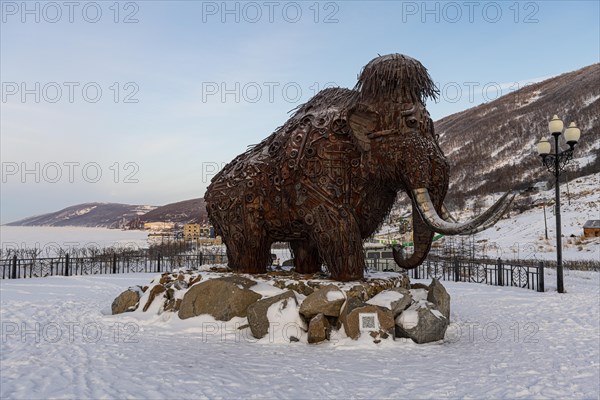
[254,257]
[306,257]
[248,248]
[341,249]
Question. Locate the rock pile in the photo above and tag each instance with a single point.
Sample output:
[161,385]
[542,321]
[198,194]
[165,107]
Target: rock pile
[318,308]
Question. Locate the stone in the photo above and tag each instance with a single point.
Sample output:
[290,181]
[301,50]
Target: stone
[155,291]
[165,278]
[403,281]
[220,269]
[194,280]
[359,292]
[318,329]
[172,305]
[257,312]
[327,300]
[396,300]
[220,297]
[245,283]
[419,294]
[351,314]
[301,288]
[422,323]
[126,301]
[373,287]
[438,295]
[419,285]
[170,293]
[180,284]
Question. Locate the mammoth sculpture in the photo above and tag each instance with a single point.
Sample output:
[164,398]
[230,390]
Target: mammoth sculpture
[328,177]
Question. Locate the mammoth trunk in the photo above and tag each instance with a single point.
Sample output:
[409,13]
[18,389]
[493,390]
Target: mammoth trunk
[422,237]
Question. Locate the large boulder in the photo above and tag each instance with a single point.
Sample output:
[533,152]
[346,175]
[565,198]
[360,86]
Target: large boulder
[258,318]
[126,301]
[438,295]
[396,300]
[379,319]
[422,322]
[318,329]
[221,298]
[327,300]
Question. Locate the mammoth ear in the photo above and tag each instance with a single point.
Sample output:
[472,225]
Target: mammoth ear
[362,122]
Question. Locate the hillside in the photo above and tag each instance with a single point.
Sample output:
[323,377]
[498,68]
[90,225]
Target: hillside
[107,215]
[491,147]
[193,210]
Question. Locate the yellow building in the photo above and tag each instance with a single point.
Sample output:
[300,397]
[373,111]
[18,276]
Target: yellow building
[191,231]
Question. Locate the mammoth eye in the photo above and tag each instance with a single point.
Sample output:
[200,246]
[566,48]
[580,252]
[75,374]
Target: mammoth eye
[412,122]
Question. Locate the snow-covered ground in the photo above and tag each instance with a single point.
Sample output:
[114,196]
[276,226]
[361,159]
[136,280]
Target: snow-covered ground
[58,342]
[523,235]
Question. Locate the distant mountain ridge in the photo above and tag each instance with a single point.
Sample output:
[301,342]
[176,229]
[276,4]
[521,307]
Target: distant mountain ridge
[106,215]
[187,211]
[115,215]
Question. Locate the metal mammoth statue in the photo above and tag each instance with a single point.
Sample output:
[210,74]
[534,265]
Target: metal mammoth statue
[328,177]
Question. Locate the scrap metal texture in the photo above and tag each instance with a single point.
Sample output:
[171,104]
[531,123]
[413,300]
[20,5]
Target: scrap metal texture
[328,177]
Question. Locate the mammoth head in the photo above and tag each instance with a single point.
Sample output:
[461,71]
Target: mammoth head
[391,125]
[389,120]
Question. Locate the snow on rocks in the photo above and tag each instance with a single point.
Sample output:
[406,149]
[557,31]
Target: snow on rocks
[319,329]
[396,300]
[327,301]
[261,307]
[438,295]
[258,313]
[126,301]
[422,322]
[358,317]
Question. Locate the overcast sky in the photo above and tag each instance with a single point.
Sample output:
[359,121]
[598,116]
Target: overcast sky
[141,102]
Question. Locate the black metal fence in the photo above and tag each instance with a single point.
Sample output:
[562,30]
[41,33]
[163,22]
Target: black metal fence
[16,268]
[497,272]
[523,274]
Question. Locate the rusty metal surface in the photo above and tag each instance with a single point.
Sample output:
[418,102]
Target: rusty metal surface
[327,178]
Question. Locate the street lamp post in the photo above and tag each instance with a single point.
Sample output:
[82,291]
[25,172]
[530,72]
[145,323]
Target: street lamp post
[555,163]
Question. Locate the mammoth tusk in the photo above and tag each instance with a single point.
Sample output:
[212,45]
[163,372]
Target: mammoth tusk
[427,210]
[446,215]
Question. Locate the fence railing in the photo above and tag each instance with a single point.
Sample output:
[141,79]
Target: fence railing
[492,272]
[497,272]
[16,268]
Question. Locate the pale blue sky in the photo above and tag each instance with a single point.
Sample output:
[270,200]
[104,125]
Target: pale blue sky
[180,55]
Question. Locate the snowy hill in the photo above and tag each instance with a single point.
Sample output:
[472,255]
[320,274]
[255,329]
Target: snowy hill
[113,215]
[107,215]
[491,147]
[187,211]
